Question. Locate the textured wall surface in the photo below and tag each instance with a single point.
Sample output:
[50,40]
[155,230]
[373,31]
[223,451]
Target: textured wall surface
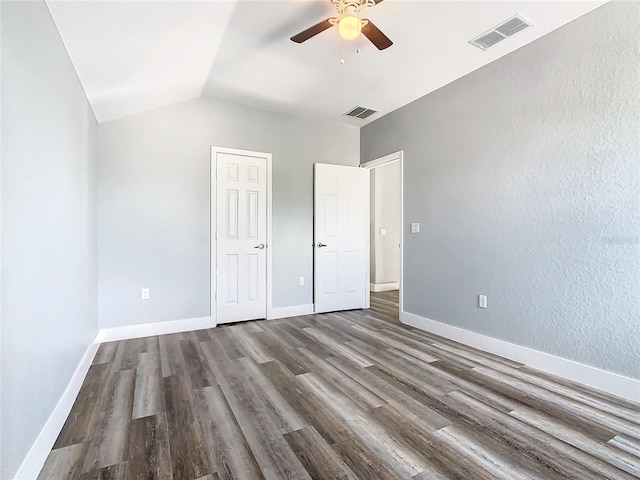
[525,176]
[153,203]
[49,299]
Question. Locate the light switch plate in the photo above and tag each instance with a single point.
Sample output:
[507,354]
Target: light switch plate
[383,232]
[415,228]
[482,301]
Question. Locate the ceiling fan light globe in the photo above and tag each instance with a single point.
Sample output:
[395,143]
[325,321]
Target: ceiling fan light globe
[349,27]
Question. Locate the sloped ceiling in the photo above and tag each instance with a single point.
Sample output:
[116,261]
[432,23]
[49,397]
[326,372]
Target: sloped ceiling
[133,56]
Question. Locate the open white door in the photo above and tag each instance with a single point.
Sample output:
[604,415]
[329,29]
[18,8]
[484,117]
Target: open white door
[241,235]
[341,235]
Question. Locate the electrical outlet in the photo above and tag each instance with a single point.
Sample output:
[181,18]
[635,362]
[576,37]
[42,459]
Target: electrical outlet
[383,232]
[144,294]
[415,228]
[482,301]
[301,282]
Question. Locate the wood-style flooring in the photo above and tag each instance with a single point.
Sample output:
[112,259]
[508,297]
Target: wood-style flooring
[350,395]
[386,306]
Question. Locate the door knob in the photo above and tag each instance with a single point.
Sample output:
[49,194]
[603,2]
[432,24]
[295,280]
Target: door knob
[320,245]
[261,246]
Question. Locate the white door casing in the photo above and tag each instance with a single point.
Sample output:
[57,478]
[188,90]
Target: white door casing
[341,237]
[240,235]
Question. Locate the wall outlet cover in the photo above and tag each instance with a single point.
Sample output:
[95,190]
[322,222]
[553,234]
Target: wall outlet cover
[415,228]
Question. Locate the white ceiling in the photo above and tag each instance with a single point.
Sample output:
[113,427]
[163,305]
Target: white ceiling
[133,56]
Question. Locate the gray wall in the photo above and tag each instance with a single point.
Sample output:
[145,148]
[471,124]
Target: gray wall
[525,176]
[153,203]
[385,198]
[49,303]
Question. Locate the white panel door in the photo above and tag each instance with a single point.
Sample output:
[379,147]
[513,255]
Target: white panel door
[241,232]
[341,233]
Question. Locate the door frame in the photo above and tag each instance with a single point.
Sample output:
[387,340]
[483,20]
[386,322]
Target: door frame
[213,285]
[393,157]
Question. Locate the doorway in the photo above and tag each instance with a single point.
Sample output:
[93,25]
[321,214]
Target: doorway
[240,235]
[386,233]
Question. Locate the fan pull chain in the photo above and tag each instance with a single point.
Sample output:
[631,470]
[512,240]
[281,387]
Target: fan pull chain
[342,51]
[359,36]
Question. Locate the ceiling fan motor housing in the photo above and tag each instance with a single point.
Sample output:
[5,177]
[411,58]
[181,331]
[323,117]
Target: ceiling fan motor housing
[353,7]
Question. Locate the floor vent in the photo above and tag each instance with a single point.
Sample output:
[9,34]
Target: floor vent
[500,32]
[360,112]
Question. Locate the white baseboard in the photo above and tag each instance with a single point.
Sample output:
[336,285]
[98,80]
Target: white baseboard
[384,287]
[293,311]
[34,461]
[619,385]
[152,329]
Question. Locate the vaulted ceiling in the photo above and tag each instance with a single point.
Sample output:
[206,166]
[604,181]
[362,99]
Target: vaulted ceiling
[132,56]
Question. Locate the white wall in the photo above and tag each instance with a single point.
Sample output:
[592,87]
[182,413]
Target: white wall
[49,300]
[153,203]
[524,176]
[385,198]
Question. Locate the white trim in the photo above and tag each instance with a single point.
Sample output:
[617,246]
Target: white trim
[152,329]
[619,385]
[34,461]
[292,311]
[213,280]
[384,287]
[394,157]
[269,235]
[212,224]
[367,249]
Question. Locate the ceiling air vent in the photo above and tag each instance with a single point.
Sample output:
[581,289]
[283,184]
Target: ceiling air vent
[498,33]
[360,112]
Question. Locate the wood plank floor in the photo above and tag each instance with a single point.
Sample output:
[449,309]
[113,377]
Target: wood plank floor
[386,306]
[351,395]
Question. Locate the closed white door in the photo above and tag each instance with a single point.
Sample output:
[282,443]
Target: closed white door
[341,233]
[241,237]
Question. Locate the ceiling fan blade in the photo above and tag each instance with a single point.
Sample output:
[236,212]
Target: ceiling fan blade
[377,1]
[375,35]
[312,31]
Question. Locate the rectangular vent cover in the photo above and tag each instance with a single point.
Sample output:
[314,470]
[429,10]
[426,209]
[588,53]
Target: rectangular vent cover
[498,33]
[360,112]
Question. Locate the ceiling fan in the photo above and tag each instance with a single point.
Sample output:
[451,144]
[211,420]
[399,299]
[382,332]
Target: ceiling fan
[350,25]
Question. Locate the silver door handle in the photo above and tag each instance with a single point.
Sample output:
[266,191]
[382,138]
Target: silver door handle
[261,246]
[320,245]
